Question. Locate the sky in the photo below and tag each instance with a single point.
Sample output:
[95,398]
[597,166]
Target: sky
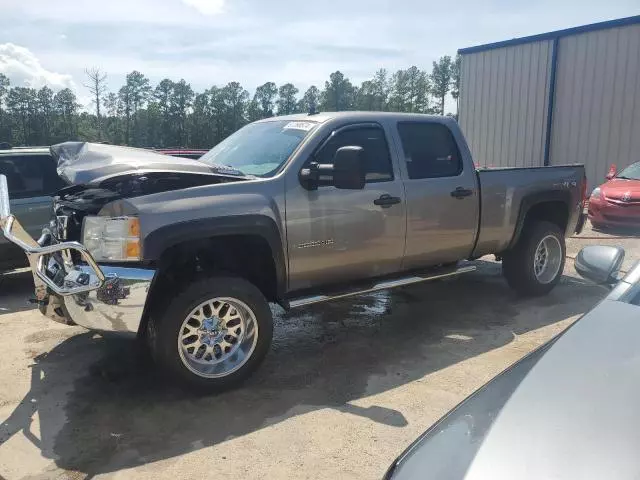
[213,42]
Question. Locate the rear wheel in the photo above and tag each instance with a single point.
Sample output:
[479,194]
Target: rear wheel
[214,334]
[534,266]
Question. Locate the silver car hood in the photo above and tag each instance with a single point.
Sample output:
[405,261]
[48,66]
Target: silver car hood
[568,410]
[82,163]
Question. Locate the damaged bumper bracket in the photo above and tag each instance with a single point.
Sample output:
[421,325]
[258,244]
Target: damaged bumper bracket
[102,298]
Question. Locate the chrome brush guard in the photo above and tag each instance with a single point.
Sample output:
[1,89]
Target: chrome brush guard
[103,298]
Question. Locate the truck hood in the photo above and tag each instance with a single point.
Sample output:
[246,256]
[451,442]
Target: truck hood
[568,410]
[83,163]
[101,174]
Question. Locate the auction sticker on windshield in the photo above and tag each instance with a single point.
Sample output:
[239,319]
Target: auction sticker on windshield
[305,126]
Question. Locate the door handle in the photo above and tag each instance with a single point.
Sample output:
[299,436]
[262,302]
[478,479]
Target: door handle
[461,192]
[386,200]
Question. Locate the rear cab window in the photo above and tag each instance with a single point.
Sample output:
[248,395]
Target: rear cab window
[430,151]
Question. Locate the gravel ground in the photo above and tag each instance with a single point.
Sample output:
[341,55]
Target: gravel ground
[346,387]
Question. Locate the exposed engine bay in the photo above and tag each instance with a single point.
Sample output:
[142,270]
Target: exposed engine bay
[72,204]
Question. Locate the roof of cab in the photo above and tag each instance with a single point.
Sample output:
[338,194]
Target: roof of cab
[357,116]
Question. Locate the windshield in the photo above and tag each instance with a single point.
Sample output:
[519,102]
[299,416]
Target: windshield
[632,172]
[259,149]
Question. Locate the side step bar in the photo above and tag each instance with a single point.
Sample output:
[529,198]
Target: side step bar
[425,276]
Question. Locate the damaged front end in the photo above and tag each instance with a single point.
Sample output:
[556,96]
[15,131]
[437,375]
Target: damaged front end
[71,288]
[98,175]
[77,281]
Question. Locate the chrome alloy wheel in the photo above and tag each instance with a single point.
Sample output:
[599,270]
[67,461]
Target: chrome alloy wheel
[217,337]
[547,259]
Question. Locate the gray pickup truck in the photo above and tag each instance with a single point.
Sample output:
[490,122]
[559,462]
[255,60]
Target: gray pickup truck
[291,210]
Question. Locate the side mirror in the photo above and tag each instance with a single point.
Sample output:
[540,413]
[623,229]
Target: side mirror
[348,171]
[600,264]
[613,170]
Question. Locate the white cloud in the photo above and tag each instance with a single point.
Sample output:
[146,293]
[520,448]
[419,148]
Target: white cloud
[206,7]
[72,12]
[25,70]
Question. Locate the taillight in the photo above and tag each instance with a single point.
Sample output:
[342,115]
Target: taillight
[584,189]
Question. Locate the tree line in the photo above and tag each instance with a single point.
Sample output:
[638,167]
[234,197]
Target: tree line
[171,114]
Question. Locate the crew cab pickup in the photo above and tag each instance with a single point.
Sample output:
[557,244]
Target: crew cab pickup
[291,210]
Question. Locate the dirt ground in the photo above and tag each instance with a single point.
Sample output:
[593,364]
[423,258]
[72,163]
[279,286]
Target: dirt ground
[346,387]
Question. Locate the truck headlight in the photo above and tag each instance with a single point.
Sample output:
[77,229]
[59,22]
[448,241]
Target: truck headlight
[112,238]
[596,193]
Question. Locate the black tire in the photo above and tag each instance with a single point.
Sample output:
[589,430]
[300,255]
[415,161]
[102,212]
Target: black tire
[164,329]
[518,263]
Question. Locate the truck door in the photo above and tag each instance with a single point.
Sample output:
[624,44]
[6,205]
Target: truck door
[442,195]
[337,235]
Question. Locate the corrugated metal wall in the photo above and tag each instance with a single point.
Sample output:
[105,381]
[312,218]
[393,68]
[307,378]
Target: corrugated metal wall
[596,115]
[503,103]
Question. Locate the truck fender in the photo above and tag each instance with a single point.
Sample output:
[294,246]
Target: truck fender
[159,240]
[533,199]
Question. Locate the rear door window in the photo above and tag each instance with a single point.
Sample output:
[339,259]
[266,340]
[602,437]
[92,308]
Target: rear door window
[30,175]
[430,150]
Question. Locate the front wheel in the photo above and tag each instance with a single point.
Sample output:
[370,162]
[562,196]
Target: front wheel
[214,334]
[534,266]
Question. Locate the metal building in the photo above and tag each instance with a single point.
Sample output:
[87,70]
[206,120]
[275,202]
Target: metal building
[570,96]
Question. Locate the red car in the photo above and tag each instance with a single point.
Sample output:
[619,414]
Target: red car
[616,203]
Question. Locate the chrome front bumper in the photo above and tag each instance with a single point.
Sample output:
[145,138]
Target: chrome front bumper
[102,298]
[116,305]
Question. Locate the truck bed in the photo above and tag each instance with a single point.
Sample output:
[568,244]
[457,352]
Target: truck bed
[503,190]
